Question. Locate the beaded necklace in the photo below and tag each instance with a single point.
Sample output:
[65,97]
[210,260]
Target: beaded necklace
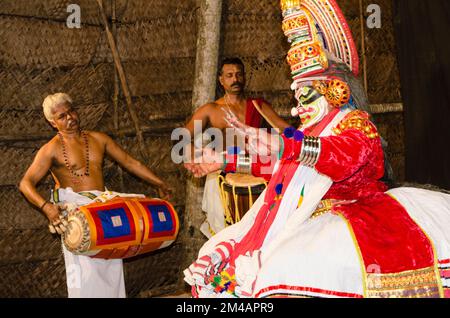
[66,158]
[226,98]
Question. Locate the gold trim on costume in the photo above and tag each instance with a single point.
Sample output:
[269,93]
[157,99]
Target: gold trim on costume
[436,261]
[408,284]
[418,283]
[358,250]
[358,120]
[322,208]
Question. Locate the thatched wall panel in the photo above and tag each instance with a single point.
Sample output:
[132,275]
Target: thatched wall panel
[349,7]
[18,214]
[28,245]
[43,44]
[26,88]
[160,77]
[152,108]
[253,35]
[262,8]
[147,276]
[13,162]
[391,127]
[172,37]
[397,161]
[267,75]
[382,67]
[34,279]
[144,10]
[53,9]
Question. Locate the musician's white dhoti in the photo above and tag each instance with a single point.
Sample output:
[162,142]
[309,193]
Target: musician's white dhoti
[212,206]
[90,277]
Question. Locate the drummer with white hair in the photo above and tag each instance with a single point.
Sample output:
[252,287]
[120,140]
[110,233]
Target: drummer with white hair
[75,159]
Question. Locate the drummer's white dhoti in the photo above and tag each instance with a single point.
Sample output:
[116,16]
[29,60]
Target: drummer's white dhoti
[90,277]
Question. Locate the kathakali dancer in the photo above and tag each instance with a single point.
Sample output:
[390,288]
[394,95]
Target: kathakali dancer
[326,226]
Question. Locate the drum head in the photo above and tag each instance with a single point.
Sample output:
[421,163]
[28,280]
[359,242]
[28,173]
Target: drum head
[75,238]
[243,180]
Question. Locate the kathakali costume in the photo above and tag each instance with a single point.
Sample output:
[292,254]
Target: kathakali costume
[326,226]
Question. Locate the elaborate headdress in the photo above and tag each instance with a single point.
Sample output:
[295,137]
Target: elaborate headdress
[327,24]
[320,38]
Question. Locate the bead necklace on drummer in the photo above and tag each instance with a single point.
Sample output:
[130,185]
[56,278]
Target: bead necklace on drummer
[75,158]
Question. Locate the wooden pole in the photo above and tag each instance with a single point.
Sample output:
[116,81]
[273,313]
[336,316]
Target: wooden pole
[116,90]
[208,43]
[123,81]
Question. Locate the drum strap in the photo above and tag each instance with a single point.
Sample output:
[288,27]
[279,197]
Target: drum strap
[55,196]
[88,194]
[228,218]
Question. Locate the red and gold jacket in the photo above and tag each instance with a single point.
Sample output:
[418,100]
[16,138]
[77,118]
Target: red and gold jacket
[353,158]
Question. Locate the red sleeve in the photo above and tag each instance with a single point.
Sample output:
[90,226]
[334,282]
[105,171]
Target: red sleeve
[230,163]
[291,148]
[262,166]
[342,156]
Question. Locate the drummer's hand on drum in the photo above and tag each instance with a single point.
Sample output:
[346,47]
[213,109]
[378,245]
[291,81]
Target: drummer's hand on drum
[202,169]
[57,223]
[164,192]
[209,162]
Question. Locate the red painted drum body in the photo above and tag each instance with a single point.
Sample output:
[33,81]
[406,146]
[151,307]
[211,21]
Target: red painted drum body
[121,227]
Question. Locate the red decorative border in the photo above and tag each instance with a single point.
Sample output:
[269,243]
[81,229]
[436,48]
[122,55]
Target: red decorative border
[289,289]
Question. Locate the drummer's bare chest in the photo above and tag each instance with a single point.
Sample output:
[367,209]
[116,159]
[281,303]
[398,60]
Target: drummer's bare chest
[76,154]
[217,118]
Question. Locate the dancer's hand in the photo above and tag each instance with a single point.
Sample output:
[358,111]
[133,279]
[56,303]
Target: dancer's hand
[259,141]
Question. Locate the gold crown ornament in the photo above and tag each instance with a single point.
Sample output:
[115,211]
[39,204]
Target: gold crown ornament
[319,21]
[287,5]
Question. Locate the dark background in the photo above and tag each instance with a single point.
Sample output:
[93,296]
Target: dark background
[422,32]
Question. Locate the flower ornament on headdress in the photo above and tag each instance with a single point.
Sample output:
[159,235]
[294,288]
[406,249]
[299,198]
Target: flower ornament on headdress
[317,32]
